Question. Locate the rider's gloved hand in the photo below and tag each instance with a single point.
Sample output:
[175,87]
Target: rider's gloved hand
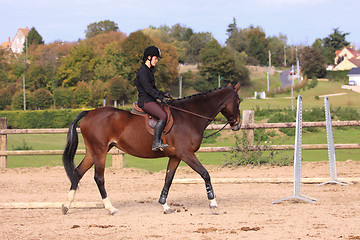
[166,100]
[168,95]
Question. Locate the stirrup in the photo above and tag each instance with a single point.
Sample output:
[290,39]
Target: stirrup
[159,147]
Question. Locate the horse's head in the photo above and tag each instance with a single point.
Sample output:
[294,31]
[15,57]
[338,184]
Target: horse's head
[231,108]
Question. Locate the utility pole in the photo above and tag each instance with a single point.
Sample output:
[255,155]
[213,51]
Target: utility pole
[285,54]
[297,64]
[268,73]
[24,73]
[269,60]
[292,88]
[180,86]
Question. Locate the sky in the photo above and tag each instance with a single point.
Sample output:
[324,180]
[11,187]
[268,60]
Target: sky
[302,21]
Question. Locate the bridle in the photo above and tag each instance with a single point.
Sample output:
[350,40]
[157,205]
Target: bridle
[233,121]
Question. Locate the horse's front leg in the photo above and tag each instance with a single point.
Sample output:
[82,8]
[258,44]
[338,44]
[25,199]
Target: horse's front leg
[195,164]
[170,172]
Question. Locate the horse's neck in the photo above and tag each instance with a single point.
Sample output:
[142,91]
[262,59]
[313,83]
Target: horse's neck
[208,105]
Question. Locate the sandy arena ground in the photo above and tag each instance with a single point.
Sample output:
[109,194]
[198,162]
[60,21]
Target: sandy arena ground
[246,209]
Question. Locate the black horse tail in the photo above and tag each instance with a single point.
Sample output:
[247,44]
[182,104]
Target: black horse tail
[71,146]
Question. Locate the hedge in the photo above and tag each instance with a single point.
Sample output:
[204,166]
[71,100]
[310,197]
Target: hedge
[56,118]
[337,75]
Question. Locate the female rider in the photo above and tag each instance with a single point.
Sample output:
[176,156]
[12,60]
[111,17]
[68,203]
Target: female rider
[148,94]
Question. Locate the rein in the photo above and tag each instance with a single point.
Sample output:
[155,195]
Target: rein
[201,116]
[198,115]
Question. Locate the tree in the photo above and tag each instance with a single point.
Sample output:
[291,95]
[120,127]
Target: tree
[257,51]
[312,62]
[98,93]
[42,98]
[37,78]
[119,89]
[196,43]
[33,38]
[335,41]
[181,33]
[99,42]
[82,94]
[77,66]
[110,63]
[4,71]
[166,72]
[133,50]
[220,62]
[276,46]
[238,41]
[100,27]
[63,97]
[5,98]
[232,27]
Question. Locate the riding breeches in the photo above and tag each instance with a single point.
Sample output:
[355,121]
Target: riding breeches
[155,110]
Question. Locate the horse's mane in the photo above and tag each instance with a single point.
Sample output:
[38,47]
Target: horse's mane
[197,94]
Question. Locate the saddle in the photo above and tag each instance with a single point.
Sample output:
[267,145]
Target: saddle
[150,121]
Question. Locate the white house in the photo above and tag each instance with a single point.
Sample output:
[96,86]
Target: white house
[17,43]
[354,75]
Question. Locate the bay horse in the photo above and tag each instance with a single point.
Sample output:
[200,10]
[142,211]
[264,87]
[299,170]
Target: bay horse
[104,128]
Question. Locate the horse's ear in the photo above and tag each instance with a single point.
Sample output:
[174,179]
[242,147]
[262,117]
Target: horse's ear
[237,86]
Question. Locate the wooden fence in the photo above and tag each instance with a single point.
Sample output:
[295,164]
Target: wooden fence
[247,126]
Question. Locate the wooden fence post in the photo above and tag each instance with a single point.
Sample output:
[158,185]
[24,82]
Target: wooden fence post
[248,117]
[118,160]
[3,142]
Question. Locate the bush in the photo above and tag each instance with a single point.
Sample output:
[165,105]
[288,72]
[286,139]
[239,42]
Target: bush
[242,154]
[25,146]
[18,100]
[40,119]
[346,114]
[313,83]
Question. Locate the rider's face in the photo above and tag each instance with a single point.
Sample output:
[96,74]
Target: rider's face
[154,60]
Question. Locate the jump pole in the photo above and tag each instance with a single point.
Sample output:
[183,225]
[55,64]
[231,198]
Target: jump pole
[297,159]
[48,205]
[331,148]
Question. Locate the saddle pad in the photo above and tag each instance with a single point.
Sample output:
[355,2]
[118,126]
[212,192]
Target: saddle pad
[150,121]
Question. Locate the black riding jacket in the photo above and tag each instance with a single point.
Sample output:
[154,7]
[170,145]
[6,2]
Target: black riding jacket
[145,84]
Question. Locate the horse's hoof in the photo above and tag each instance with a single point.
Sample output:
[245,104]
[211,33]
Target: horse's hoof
[64,209]
[214,210]
[114,211]
[168,211]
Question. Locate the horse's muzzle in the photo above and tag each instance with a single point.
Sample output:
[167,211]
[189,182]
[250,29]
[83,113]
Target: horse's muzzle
[235,127]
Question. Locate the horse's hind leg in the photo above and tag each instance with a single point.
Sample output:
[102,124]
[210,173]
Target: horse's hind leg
[171,169]
[100,181]
[79,172]
[195,164]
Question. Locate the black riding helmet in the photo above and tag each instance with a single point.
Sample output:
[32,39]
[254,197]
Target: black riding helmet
[152,51]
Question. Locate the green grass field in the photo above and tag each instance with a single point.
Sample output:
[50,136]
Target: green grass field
[281,101]
[341,135]
[57,142]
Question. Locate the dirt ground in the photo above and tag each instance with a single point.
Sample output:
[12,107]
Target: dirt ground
[245,210]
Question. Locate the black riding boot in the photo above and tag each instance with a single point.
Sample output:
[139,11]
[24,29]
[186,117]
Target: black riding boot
[157,143]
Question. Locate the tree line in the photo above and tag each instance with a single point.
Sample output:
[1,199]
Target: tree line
[104,64]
